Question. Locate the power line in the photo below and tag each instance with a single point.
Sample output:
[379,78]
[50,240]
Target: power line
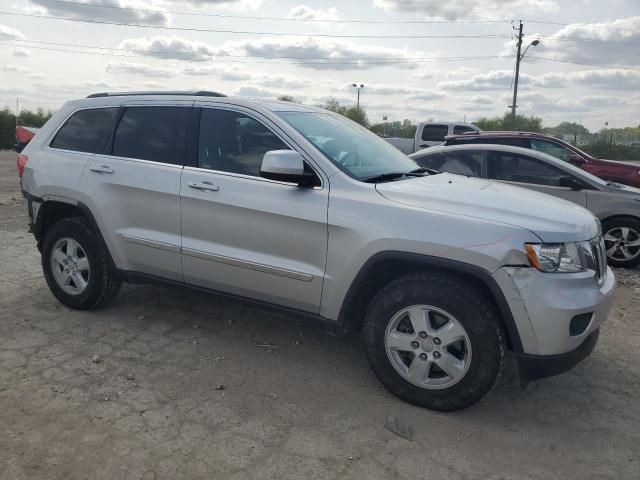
[282,19]
[621,67]
[585,40]
[242,32]
[609,27]
[187,57]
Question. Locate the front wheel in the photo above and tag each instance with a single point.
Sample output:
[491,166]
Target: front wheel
[622,241]
[434,341]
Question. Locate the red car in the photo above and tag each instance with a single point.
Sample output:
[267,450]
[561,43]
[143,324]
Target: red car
[627,173]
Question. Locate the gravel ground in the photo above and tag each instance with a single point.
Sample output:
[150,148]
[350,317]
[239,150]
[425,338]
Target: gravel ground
[166,383]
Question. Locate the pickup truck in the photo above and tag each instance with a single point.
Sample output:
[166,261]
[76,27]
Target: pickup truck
[429,134]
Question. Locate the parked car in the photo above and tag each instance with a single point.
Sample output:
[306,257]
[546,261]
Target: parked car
[617,206]
[304,211]
[429,134]
[627,173]
[24,136]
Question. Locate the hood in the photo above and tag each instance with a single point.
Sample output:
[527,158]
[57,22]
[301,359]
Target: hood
[635,165]
[551,219]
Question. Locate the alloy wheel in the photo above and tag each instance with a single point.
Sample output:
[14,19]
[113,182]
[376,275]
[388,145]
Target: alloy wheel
[622,243]
[428,346]
[70,266]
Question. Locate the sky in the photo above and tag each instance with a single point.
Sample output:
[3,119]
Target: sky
[418,59]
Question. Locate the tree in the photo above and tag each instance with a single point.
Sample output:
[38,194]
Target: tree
[357,114]
[26,118]
[286,98]
[570,131]
[507,122]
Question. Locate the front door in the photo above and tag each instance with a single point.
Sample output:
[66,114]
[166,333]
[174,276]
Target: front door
[241,233]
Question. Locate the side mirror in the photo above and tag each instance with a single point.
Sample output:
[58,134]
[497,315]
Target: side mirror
[571,182]
[577,159]
[286,166]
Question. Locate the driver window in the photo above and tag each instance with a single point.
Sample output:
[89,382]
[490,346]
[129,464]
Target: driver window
[234,142]
[517,168]
[551,149]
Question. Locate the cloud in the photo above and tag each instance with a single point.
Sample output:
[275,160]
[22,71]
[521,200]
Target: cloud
[138,69]
[250,91]
[320,53]
[235,73]
[170,47]
[540,104]
[614,79]
[14,69]
[469,9]
[8,33]
[20,52]
[309,52]
[232,4]
[613,42]
[125,11]
[303,12]
[493,80]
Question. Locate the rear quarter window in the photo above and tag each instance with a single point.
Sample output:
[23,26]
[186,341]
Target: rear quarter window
[86,130]
[434,133]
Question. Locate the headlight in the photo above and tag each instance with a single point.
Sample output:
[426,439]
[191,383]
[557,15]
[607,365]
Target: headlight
[558,257]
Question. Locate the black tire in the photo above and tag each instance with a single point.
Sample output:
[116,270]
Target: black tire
[471,308]
[622,222]
[103,283]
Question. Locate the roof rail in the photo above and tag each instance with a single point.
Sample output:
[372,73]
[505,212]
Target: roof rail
[202,93]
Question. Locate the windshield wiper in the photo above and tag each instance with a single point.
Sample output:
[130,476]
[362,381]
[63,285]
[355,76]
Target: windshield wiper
[430,171]
[385,177]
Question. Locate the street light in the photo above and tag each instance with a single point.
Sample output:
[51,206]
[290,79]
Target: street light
[519,58]
[358,87]
[532,44]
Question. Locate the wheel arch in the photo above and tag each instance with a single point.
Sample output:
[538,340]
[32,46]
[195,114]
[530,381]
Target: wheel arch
[384,267]
[52,210]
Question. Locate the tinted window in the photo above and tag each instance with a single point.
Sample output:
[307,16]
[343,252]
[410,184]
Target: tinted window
[551,148]
[233,142]
[517,168]
[86,130]
[434,160]
[150,133]
[465,162]
[435,133]
[462,129]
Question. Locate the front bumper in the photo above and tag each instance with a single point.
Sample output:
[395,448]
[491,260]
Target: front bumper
[546,309]
[534,367]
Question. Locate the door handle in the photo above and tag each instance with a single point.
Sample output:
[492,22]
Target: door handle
[204,186]
[102,169]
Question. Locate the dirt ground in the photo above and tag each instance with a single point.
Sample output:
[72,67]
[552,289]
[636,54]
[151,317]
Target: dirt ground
[166,383]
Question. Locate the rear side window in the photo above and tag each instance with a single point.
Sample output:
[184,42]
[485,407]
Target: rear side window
[86,130]
[433,160]
[458,129]
[466,162]
[435,133]
[151,133]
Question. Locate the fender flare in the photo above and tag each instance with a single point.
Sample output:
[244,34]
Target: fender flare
[428,261]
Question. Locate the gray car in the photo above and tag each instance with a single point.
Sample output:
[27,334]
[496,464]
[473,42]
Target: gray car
[617,206]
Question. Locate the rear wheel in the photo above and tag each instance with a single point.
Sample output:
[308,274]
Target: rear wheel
[434,341]
[622,241]
[77,266]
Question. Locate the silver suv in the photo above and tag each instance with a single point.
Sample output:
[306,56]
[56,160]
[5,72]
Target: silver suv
[301,209]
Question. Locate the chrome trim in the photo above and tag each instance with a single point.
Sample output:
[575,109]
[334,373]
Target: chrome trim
[259,267]
[167,247]
[137,160]
[600,259]
[246,177]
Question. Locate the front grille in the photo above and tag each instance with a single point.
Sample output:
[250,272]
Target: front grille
[600,259]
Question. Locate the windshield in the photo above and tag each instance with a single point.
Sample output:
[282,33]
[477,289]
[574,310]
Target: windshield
[353,148]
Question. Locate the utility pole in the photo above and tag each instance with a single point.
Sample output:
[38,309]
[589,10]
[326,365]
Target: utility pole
[358,87]
[515,82]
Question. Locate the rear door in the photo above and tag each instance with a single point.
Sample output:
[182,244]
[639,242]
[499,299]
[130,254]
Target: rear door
[244,234]
[532,173]
[135,187]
